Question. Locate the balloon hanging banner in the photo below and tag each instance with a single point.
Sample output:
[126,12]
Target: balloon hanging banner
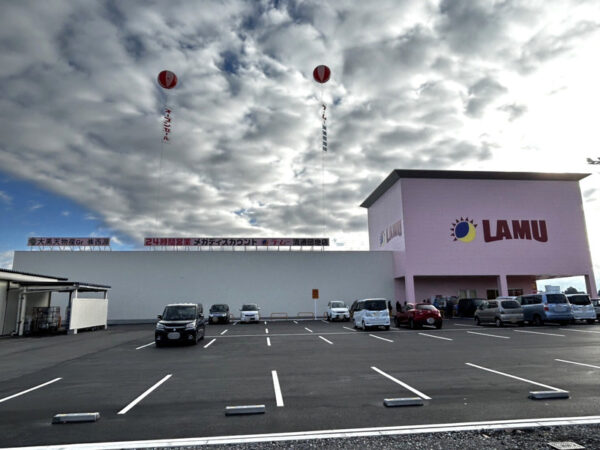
[167,80]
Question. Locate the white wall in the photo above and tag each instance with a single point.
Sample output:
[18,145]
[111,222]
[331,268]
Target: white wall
[3,295]
[88,312]
[144,281]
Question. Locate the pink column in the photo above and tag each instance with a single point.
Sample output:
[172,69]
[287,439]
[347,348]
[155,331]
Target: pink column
[502,285]
[590,285]
[409,284]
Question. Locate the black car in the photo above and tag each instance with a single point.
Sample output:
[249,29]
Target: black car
[218,313]
[180,322]
[467,306]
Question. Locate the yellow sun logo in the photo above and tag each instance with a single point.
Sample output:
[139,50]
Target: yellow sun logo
[463,230]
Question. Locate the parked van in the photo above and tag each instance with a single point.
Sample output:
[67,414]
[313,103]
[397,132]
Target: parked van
[371,312]
[501,311]
[467,306]
[180,322]
[582,307]
[540,308]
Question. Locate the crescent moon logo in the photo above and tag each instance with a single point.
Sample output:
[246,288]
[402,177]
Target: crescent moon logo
[463,230]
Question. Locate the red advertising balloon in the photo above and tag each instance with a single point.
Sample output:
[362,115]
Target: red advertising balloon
[167,79]
[321,74]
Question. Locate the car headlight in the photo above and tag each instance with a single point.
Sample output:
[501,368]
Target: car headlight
[160,326]
[191,326]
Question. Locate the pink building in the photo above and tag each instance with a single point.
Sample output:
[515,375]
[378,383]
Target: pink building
[479,234]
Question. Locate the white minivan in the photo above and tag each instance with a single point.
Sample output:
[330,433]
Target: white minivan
[371,312]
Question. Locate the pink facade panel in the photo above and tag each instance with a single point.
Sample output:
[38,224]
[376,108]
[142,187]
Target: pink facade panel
[492,227]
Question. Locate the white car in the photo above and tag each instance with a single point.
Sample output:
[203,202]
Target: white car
[337,310]
[249,313]
[582,307]
[371,312]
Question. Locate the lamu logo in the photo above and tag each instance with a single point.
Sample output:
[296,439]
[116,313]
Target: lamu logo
[465,230]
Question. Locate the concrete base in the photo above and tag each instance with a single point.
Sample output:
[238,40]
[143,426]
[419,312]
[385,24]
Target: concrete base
[546,395]
[248,409]
[407,401]
[76,417]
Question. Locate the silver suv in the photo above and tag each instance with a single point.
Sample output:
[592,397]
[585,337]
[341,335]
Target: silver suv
[500,312]
[540,308]
[582,307]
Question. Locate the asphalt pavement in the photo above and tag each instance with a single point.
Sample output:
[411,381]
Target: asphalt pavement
[311,376]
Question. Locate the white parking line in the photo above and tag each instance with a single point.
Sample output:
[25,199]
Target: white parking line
[235,323]
[329,342]
[383,339]
[145,394]
[351,329]
[579,331]
[268,342]
[397,430]
[395,380]
[296,322]
[209,343]
[308,329]
[537,332]
[265,322]
[437,337]
[30,389]
[266,330]
[225,331]
[515,377]
[490,335]
[142,346]
[463,325]
[325,322]
[579,364]
[278,396]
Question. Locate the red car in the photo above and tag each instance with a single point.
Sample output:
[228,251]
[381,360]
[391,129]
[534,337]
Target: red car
[418,315]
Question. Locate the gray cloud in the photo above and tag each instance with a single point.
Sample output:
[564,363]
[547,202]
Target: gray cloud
[81,96]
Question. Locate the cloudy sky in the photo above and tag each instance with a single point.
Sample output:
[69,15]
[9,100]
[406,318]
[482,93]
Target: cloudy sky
[458,84]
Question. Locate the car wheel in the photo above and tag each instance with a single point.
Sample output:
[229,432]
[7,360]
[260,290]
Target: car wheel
[387,327]
[158,344]
[590,321]
[477,321]
[411,324]
[439,325]
[521,324]
[537,321]
[499,323]
[195,340]
[364,327]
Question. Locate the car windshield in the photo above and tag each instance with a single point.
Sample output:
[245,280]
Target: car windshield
[427,307]
[510,304]
[375,305]
[556,298]
[579,300]
[250,307]
[338,305]
[219,308]
[179,313]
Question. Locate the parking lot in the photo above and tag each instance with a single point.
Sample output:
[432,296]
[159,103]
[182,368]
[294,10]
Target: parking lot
[310,375]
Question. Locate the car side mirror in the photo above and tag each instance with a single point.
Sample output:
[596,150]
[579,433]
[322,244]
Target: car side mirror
[159,317]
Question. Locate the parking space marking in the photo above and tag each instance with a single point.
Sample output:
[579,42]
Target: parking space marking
[351,329]
[579,364]
[329,342]
[383,339]
[223,332]
[395,380]
[18,394]
[142,346]
[537,332]
[268,342]
[296,322]
[490,335]
[278,396]
[235,323]
[266,330]
[145,394]
[437,337]
[579,331]
[462,325]
[209,343]
[308,329]
[325,322]
[265,322]
[515,377]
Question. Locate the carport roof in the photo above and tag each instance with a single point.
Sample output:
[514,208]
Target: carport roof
[5,275]
[65,286]
[397,174]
